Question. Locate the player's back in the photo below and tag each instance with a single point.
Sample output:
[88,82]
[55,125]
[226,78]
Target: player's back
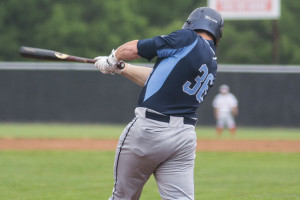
[184,72]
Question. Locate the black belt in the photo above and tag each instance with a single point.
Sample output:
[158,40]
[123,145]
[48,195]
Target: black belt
[166,118]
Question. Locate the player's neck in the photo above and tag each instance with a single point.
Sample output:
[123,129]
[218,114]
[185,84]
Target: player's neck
[205,36]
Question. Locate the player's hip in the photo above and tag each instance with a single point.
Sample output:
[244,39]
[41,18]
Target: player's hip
[160,119]
[150,136]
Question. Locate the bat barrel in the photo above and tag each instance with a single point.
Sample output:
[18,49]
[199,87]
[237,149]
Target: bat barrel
[45,54]
[36,53]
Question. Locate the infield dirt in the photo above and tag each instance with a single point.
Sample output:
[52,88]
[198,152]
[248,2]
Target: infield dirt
[110,145]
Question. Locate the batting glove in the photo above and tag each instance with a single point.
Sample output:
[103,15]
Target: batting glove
[112,60]
[107,64]
[103,65]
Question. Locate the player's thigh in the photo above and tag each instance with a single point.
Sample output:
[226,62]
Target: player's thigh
[132,167]
[221,121]
[230,122]
[175,176]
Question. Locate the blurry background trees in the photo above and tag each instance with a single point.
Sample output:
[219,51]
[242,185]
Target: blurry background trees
[94,27]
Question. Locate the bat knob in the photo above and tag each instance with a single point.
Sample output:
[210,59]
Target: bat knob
[121,65]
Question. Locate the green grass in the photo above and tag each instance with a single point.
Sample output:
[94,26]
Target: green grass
[55,175]
[82,175]
[106,131]
[243,175]
[76,175]
[31,130]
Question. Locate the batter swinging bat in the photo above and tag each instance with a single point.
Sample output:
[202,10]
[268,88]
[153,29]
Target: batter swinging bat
[45,54]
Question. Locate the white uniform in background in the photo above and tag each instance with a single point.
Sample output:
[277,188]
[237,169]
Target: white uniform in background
[225,108]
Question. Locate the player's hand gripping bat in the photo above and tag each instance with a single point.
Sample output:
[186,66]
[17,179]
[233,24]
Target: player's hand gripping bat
[45,54]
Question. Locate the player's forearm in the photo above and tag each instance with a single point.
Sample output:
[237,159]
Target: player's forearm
[128,51]
[137,74]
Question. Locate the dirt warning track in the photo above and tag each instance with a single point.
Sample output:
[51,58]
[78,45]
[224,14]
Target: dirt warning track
[110,145]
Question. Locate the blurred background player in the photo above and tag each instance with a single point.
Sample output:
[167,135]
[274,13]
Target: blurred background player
[225,107]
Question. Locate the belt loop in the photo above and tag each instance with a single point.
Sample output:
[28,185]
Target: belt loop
[176,121]
[140,111]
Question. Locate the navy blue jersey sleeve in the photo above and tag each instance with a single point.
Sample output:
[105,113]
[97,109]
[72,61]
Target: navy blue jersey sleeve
[168,45]
[147,48]
[165,45]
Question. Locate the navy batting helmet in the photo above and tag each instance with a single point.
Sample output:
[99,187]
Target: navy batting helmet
[206,19]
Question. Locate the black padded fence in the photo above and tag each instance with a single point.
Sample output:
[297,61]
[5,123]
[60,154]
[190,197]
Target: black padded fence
[73,93]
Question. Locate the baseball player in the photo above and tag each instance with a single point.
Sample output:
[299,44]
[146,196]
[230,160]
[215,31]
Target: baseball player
[161,139]
[225,107]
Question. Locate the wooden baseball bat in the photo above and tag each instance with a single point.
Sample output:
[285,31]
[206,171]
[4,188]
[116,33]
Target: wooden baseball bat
[45,54]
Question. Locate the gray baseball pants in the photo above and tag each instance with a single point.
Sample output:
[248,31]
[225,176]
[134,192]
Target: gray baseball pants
[165,149]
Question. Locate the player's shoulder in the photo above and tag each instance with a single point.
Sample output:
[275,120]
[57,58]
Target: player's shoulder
[180,38]
[216,100]
[185,33]
[231,95]
[217,97]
